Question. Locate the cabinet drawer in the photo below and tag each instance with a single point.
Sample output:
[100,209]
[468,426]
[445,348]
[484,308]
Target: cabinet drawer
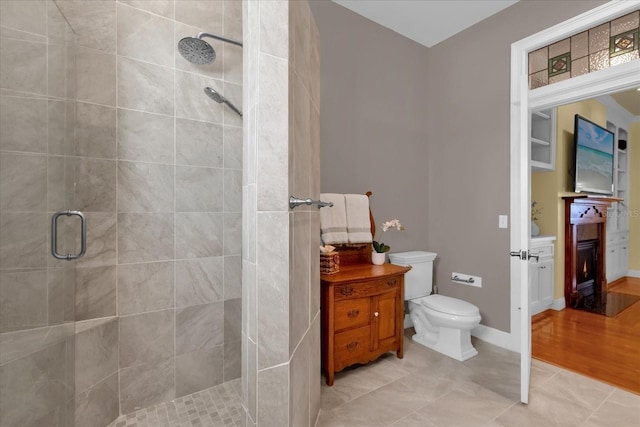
[352,313]
[352,344]
[363,289]
[543,250]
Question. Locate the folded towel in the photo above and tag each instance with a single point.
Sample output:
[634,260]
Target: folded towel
[333,220]
[358,222]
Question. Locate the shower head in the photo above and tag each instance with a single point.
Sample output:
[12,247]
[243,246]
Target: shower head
[198,51]
[213,94]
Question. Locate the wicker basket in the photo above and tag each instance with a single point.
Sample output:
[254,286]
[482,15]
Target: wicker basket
[329,263]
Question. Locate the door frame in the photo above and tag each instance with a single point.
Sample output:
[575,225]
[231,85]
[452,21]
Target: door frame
[523,100]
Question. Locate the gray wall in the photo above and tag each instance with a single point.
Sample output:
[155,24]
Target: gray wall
[372,125]
[445,120]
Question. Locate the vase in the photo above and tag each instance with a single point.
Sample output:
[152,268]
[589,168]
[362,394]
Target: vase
[378,258]
[535,230]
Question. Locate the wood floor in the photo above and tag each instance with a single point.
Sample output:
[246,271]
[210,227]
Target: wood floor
[601,347]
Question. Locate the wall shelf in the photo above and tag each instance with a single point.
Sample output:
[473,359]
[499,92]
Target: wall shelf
[543,140]
[540,142]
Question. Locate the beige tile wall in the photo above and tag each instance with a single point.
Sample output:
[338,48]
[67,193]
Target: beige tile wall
[156,167]
[281,329]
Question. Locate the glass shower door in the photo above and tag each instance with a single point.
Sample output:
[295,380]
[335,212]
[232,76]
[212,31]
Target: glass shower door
[37,291]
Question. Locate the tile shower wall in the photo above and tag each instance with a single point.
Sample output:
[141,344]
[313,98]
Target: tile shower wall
[37,340]
[281,282]
[156,166]
[609,44]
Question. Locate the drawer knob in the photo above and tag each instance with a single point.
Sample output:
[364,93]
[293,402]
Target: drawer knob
[376,314]
[353,346]
[392,282]
[353,314]
[346,291]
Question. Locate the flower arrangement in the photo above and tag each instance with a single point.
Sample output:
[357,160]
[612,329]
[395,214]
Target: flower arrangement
[535,211]
[381,247]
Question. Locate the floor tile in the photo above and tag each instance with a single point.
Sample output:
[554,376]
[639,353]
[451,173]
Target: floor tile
[218,406]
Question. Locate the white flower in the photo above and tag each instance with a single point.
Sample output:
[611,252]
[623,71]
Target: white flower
[394,223]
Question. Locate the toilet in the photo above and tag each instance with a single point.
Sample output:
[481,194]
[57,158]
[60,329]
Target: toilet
[442,323]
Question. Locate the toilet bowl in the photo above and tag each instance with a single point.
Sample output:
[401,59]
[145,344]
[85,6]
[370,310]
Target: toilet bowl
[442,323]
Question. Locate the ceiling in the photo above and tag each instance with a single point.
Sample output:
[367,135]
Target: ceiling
[629,100]
[427,22]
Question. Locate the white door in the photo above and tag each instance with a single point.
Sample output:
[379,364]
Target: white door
[617,78]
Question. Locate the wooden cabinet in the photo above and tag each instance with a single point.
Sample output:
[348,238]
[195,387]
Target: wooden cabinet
[543,140]
[541,274]
[362,310]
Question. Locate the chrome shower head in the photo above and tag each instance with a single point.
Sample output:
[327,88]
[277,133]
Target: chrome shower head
[213,94]
[196,50]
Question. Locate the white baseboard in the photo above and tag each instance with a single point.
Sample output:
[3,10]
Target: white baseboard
[558,304]
[633,273]
[493,336]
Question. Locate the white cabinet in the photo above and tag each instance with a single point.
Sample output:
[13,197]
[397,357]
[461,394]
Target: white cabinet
[541,274]
[617,255]
[543,140]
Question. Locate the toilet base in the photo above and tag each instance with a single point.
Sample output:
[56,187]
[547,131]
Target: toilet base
[454,343]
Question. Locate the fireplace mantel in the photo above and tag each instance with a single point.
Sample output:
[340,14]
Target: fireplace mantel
[587,209]
[583,210]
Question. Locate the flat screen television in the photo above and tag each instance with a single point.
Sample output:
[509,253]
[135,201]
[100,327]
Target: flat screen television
[594,146]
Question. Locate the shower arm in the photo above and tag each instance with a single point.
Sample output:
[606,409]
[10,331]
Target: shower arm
[224,39]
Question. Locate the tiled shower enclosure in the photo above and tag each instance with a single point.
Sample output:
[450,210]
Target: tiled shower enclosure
[100,114]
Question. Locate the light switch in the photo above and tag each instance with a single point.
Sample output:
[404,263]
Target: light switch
[503,221]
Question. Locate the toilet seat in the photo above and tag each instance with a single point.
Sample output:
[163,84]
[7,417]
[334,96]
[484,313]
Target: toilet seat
[448,305]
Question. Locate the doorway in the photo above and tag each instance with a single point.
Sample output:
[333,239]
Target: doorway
[523,101]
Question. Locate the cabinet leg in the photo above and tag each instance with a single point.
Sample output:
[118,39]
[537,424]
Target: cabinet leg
[330,379]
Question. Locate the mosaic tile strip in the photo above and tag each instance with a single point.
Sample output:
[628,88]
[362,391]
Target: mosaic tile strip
[219,406]
[609,44]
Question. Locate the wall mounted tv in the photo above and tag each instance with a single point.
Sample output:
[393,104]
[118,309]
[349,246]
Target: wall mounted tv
[594,146]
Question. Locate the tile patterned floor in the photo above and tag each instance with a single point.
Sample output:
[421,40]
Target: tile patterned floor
[426,389]
[219,406]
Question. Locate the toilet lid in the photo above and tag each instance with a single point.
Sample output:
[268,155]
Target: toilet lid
[449,305]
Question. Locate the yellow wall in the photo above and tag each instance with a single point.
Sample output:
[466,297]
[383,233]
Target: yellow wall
[547,188]
[634,196]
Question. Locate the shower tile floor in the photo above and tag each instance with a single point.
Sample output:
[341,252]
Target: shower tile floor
[218,406]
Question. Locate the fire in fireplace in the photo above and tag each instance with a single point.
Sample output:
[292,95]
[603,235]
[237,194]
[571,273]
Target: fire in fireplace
[586,270]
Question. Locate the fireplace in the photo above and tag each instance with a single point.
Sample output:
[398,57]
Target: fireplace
[585,265]
[587,272]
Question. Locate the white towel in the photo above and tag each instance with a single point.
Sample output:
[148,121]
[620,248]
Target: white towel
[333,220]
[358,222]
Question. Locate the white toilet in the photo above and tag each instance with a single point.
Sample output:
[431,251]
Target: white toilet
[442,323]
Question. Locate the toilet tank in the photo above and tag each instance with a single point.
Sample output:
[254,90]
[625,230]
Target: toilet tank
[418,282]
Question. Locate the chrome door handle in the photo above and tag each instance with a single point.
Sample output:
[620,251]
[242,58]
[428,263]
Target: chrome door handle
[523,255]
[54,235]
